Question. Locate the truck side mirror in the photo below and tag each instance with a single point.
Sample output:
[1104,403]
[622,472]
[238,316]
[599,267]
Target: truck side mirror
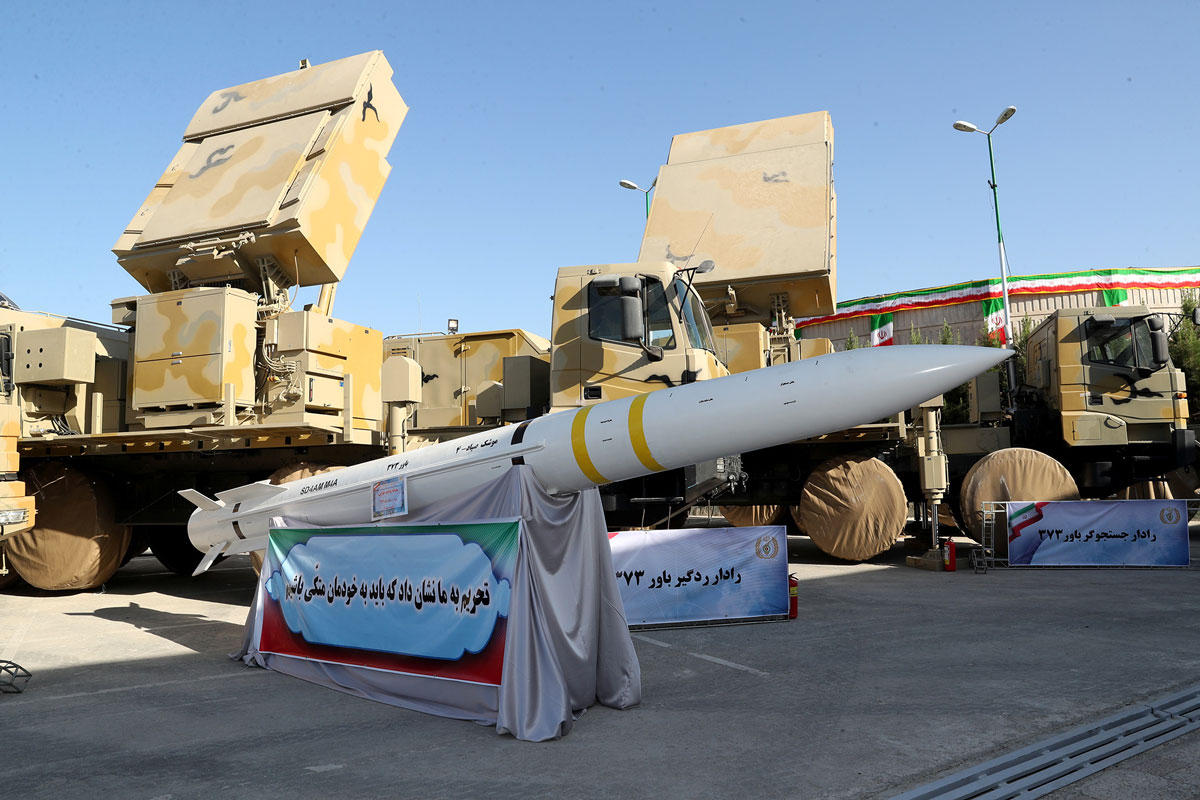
[633,320]
[1158,347]
[1154,323]
[1196,316]
[633,325]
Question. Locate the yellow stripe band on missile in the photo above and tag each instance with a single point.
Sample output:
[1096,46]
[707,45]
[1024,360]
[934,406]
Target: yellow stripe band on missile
[637,434]
[579,447]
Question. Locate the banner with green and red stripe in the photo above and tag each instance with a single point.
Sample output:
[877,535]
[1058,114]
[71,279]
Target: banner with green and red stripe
[1114,282]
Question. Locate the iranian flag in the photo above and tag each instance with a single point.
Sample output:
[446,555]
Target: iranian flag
[1022,518]
[881,329]
[993,316]
[1115,297]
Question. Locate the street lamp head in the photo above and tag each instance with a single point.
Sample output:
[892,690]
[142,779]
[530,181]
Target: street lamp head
[965,127]
[1006,115]
[624,184]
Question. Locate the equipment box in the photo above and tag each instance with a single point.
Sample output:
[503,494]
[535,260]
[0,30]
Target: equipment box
[189,344]
[54,356]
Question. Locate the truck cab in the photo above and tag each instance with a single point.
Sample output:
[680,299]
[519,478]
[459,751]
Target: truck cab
[1100,384]
[625,329]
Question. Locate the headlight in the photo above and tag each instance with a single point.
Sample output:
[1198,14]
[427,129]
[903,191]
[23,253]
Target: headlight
[13,516]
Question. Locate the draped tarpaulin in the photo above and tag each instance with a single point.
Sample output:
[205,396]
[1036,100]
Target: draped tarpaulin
[568,644]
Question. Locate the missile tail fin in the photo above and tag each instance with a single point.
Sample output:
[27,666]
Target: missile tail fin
[210,557]
[200,501]
[251,491]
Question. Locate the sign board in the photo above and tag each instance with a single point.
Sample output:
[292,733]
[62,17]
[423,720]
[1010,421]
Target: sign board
[695,575]
[389,498]
[1098,533]
[422,599]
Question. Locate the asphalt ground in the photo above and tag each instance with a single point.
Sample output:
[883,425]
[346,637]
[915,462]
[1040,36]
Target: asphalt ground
[890,678]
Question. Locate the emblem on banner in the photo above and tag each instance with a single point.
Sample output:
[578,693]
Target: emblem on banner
[766,547]
[1169,516]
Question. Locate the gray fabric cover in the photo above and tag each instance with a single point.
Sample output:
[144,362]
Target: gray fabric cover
[568,642]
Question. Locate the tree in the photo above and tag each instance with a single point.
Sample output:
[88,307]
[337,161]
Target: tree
[947,335]
[851,341]
[958,402]
[1185,352]
[1021,345]
[914,335]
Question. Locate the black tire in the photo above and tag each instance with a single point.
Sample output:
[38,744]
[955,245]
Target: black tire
[138,544]
[170,545]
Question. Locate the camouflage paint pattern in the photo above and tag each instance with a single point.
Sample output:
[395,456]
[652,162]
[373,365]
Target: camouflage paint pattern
[329,349]
[614,369]
[299,160]
[12,493]
[190,343]
[1098,406]
[811,348]
[758,200]
[742,347]
[454,368]
[56,388]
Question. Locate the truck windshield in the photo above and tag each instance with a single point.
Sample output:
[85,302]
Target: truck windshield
[1125,343]
[695,318]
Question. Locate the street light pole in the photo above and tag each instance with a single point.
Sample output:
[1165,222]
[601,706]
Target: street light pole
[627,184]
[1008,332]
[967,127]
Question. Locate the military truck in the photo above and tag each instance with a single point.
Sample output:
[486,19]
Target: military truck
[618,330]
[741,237]
[742,229]
[211,378]
[1100,395]
[1099,408]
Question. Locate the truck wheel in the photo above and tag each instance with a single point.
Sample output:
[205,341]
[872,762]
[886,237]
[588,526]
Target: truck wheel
[1014,473]
[171,546]
[286,474]
[77,542]
[12,580]
[752,516]
[1185,484]
[797,527]
[1156,489]
[853,507]
[138,544]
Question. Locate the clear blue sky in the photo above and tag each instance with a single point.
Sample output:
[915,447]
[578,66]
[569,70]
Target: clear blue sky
[524,116]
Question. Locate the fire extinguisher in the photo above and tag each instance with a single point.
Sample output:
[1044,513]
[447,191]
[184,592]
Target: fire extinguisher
[793,597]
[949,556]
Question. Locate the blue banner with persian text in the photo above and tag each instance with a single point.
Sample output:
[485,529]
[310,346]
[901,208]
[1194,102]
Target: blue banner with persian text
[426,599]
[701,574]
[1098,533]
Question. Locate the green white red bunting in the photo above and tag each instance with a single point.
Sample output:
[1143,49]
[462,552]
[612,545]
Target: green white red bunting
[1115,283]
[881,329]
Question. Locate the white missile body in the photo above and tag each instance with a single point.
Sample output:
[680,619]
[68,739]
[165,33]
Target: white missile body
[611,441]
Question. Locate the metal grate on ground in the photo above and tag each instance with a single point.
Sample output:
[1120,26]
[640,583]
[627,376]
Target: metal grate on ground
[1059,761]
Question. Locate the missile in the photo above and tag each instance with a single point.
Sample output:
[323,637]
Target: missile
[607,442]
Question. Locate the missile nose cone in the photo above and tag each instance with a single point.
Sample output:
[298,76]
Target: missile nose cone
[900,377]
[951,365]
